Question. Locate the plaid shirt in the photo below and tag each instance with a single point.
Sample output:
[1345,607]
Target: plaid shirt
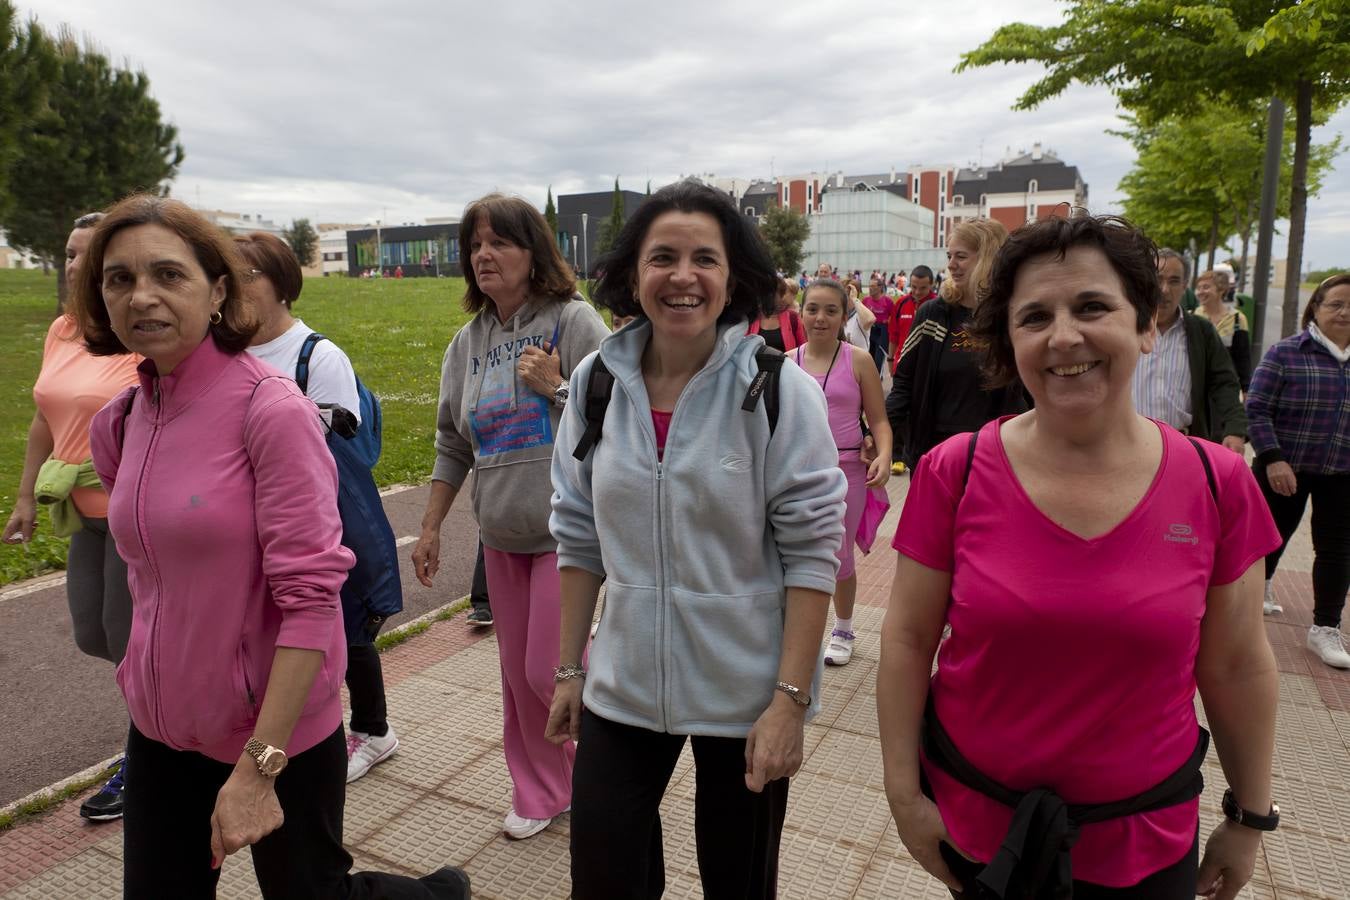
[1299,407]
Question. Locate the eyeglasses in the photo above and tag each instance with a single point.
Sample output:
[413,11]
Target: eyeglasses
[1335,307]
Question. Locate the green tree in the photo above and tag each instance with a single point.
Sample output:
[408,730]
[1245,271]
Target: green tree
[304,241]
[27,63]
[551,215]
[785,230]
[1160,58]
[97,137]
[613,224]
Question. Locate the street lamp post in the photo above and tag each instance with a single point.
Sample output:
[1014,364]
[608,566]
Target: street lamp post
[379,250]
[586,248]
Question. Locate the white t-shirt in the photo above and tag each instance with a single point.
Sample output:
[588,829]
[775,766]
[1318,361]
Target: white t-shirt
[331,376]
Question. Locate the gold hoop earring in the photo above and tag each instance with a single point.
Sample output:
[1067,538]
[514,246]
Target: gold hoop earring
[216,317]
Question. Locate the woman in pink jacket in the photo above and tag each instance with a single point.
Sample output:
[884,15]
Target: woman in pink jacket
[222,499]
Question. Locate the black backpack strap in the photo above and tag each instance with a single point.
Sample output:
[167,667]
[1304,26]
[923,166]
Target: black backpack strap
[970,458]
[1209,470]
[765,384]
[599,385]
[302,364]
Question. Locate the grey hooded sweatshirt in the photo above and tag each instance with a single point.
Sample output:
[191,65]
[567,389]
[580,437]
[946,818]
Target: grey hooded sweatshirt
[490,420]
[700,547]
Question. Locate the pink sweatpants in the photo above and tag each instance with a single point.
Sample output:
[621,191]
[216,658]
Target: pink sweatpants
[526,597]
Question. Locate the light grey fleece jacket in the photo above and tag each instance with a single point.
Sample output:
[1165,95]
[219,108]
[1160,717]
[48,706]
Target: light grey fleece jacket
[490,420]
[699,548]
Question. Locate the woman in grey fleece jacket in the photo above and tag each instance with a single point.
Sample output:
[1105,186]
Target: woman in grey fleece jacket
[498,414]
[718,539]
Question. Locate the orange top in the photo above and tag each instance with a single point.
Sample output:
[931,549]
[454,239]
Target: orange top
[72,386]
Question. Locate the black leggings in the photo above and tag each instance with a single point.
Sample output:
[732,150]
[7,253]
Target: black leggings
[620,776]
[365,683]
[1176,882]
[167,831]
[1330,496]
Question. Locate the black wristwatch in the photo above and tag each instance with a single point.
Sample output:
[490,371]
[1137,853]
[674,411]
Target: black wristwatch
[1240,816]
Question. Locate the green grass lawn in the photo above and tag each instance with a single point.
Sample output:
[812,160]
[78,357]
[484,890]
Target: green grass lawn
[395,332]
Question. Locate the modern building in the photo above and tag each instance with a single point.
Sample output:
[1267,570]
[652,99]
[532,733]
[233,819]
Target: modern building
[13,258]
[580,218]
[867,227]
[1018,190]
[332,249]
[419,250]
[241,223]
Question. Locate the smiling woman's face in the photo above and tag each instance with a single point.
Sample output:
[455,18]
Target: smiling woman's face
[159,299]
[683,274]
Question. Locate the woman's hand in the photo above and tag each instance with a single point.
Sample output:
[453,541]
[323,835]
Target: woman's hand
[773,748]
[1230,859]
[564,715]
[878,472]
[426,556]
[540,369]
[921,831]
[247,810]
[1281,478]
[19,528]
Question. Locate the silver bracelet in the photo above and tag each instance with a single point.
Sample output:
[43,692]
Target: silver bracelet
[794,692]
[564,672]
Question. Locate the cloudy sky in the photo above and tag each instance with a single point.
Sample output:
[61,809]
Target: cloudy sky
[355,111]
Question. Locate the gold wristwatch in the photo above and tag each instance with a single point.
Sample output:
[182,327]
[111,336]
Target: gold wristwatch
[270,760]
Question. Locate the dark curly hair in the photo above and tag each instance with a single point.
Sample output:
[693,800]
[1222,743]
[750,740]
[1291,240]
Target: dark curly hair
[752,282]
[1131,254]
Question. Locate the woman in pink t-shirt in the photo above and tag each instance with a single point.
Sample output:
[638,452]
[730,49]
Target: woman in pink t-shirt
[1095,568]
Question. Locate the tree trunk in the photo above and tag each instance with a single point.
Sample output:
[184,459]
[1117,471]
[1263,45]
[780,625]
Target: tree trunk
[1298,207]
[1213,238]
[1246,232]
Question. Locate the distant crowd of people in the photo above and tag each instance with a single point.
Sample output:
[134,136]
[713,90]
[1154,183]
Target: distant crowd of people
[1082,546]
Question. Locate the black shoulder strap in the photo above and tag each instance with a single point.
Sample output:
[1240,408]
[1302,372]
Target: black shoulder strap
[1209,470]
[302,364]
[599,385]
[970,458]
[765,384]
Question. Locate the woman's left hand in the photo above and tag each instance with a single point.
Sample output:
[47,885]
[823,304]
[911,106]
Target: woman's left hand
[878,472]
[247,810]
[773,748]
[1230,859]
[540,369]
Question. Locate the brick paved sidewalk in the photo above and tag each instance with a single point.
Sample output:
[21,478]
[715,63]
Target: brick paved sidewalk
[441,799]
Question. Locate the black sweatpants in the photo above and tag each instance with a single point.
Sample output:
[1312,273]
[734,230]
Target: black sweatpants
[365,683]
[1330,536]
[620,776]
[167,830]
[478,592]
[1176,882]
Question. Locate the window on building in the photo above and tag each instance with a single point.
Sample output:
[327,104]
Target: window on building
[959,200]
[1032,186]
[1031,213]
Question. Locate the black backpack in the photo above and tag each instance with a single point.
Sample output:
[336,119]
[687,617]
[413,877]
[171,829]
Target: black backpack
[600,385]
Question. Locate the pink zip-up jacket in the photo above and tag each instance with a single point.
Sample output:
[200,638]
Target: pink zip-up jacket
[223,502]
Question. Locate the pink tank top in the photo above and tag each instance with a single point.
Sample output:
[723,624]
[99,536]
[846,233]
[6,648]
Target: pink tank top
[843,395]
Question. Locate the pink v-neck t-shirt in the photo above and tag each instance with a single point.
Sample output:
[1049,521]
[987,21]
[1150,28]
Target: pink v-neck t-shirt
[1071,662]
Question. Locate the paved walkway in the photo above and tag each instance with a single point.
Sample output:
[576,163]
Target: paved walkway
[442,798]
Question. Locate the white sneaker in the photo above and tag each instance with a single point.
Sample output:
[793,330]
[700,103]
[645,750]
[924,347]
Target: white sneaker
[1269,606]
[366,750]
[840,650]
[1327,643]
[520,828]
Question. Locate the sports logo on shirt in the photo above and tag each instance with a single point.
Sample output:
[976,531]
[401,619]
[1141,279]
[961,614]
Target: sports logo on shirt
[1181,534]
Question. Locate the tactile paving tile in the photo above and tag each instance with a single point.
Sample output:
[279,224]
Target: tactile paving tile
[847,814]
[818,867]
[32,847]
[476,667]
[1332,684]
[374,800]
[892,873]
[427,756]
[90,875]
[849,757]
[538,868]
[1308,745]
[1303,808]
[237,881]
[1304,862]
[420,700]
[860,715]
[1299,690]
[435,833]
[484,783]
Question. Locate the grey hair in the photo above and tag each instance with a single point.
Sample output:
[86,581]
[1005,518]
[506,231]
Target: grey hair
[1165,254]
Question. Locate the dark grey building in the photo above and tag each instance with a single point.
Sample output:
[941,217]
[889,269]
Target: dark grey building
[419,250]
[583,250]
[758,197]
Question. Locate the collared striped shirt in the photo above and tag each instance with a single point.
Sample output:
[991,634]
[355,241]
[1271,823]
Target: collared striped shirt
[1162,380]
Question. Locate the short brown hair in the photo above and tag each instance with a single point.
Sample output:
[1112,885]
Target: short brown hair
[210,245]
[273,257]
[1320,294]
[984,236]
[523,225]
[1131,254]
[1209,275]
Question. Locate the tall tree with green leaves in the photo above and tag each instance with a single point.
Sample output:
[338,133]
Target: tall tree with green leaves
[613,224]
[551,215]
[303,241]
[785,230]
[27,63]
[97,137]
[1161,57]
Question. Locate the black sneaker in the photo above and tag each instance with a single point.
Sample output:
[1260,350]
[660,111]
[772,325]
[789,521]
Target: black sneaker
[106,805]
[480,618]
[448,883]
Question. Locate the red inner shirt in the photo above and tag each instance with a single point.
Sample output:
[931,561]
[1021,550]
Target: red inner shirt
[661,422]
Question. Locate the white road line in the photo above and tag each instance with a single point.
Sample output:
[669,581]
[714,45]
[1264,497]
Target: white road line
[405,540]
[32,587]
